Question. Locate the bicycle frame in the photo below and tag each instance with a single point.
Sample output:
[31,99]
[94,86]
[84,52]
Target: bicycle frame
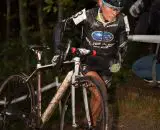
[68,81]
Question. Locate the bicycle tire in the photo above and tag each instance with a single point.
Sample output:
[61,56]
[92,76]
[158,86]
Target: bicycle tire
[15,114]
[66,116]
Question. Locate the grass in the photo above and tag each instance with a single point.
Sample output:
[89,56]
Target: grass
[136,106]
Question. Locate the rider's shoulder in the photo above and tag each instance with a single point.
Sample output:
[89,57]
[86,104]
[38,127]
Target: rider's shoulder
[121,16]
[92,10]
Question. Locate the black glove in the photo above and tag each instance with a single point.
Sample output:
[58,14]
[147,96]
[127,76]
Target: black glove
[58,57]
[136,8]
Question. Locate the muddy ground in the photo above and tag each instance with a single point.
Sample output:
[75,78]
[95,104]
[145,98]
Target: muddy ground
[135,105]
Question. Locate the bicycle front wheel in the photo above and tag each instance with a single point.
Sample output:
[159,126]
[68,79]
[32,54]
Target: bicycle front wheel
[16,101]
[91,112]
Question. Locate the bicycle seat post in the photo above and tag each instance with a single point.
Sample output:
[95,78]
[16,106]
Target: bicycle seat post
[38,52]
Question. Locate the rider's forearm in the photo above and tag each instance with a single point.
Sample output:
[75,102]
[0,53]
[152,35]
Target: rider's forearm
[62,32]
[57,33]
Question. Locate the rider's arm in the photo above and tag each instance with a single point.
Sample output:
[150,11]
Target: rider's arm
[59,34]
[70,28]
[122,39]
[123,31]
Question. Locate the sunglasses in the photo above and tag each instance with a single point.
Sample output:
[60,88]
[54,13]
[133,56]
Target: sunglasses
[118,9]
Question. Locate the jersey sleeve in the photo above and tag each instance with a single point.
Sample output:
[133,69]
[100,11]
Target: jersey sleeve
[124,31]
[69,29]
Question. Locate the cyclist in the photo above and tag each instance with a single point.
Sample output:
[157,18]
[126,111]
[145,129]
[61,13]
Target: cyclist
[104,30]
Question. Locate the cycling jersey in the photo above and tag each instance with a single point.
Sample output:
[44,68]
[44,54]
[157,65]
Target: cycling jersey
[103,37]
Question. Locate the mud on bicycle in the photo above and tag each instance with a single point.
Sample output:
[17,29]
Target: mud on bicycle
[20,101]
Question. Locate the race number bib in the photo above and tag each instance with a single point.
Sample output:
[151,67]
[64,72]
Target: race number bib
[79,17]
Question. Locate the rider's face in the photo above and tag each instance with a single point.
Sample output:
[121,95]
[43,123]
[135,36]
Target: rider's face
[109,14]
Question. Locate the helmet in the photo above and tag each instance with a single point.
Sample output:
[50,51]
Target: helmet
[115,4]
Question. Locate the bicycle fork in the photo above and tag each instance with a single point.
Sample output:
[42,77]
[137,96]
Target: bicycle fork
[76,73]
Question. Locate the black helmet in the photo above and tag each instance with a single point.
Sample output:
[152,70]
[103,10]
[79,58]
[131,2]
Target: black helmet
[117,4]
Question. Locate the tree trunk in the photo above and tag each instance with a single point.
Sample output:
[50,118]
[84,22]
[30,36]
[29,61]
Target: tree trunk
[23,21]
[8,19]
[42,29]
[23,27]
[57,28]
[40,21]
[60,11]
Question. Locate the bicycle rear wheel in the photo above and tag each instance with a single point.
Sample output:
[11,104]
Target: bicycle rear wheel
[98,113]
[16,101]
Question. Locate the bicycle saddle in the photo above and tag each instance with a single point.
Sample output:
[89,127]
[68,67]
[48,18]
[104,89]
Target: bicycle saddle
[38,47]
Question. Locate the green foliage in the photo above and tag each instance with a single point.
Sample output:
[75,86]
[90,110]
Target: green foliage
[50,2]
[51,5]
[47,8]
[67,2]
[24,3]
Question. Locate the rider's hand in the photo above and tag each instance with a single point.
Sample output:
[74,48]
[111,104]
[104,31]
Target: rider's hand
[136,8]
[55,59]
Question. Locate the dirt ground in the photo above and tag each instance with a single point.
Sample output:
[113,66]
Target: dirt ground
[135,105]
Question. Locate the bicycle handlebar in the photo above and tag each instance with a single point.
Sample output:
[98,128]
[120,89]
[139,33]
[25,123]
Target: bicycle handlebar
[145,38]
[83,51]
[136,38]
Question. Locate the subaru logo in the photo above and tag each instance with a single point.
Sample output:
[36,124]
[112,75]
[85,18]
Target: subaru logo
[102,36]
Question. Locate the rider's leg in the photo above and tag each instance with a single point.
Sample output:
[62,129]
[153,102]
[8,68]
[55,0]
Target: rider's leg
[95,97]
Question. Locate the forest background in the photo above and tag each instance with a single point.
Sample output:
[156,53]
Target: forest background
[134,103]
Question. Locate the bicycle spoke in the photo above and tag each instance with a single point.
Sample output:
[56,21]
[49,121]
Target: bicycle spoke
[14,114]
[88,114]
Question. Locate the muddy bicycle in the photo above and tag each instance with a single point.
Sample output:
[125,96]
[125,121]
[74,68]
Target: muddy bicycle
[20,101]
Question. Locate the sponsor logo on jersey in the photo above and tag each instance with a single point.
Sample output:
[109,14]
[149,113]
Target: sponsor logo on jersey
[102,36]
